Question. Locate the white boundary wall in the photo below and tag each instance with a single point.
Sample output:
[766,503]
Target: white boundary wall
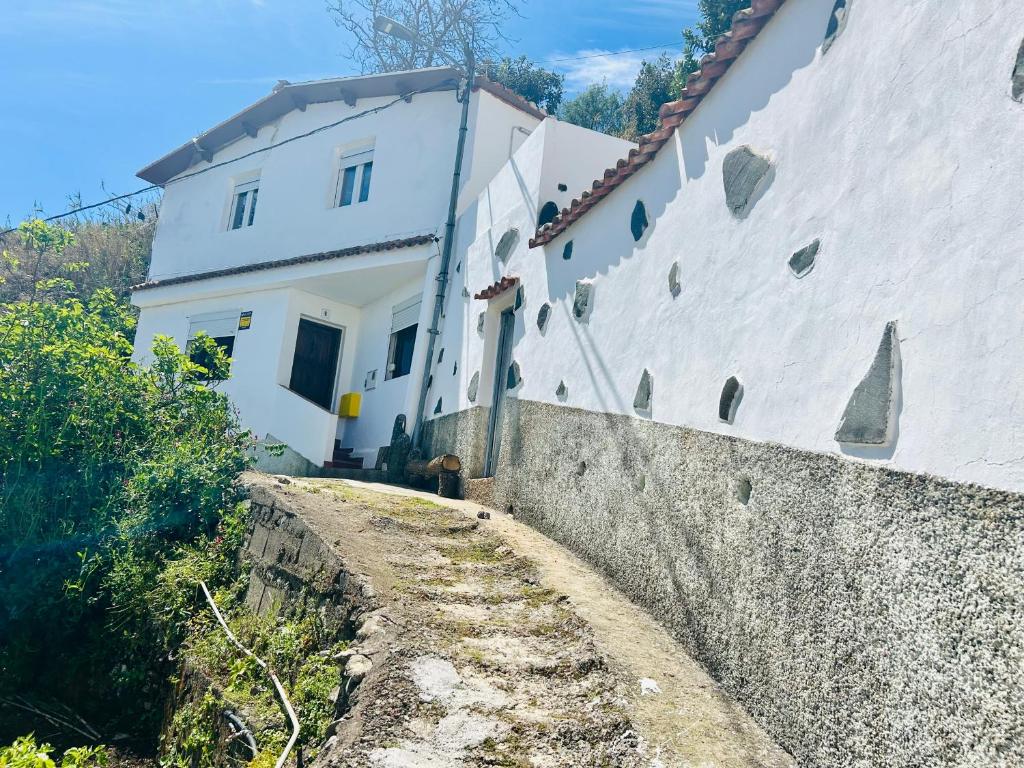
[900,149]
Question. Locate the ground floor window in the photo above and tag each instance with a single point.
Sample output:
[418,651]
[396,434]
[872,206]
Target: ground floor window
[404,319]
[219,326]
[315,364]
[403,343]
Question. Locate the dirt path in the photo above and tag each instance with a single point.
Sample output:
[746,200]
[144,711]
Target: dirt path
[496,646]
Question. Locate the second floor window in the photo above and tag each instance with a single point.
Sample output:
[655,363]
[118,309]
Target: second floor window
[243,205]
[354,179]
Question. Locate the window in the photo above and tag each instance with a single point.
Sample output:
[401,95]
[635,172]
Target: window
[548,212]
[404,322]
[354,177]
[219,326]
[243,204]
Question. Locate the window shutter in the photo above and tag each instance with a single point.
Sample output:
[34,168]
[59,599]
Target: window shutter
[214,324]
[405,314]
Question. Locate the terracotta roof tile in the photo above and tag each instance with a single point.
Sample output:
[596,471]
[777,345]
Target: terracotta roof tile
[357,250]
[746,24]
[509,96]
[496,289]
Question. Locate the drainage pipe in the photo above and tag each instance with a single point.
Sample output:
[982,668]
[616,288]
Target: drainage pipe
[286,705]
[449,245]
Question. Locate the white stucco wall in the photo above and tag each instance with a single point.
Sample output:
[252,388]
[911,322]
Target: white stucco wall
[372,429]
[414,150]
[262,360]
[900,148]
[555,153]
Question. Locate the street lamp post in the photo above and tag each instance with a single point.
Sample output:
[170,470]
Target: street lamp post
[401,32]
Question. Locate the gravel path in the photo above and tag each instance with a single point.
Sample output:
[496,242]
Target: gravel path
[497,647]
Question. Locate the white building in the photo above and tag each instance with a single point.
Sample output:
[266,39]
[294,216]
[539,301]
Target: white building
[302,233]
[764,372]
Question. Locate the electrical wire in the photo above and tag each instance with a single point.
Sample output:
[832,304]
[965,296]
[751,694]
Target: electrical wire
[614,53]
[214,166]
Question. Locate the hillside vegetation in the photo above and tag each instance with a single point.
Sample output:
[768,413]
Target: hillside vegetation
[116,495]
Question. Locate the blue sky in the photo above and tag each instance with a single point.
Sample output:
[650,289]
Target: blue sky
[98,88]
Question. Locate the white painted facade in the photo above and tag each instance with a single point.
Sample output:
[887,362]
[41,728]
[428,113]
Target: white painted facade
[296,215]
[900,149]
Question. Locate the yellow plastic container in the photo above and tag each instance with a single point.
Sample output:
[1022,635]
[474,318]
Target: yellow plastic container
[348,407]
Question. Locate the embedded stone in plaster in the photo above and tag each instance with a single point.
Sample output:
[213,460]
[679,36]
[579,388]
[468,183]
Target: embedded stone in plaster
[567,251]
[729,403]
[644,393]
[745,174]
[437,408]
[562,392]
[581,469]
[743,489]
[455,367]
[458,267]
[673,280]
[547,214]
[638,220]
[543,314]
[480,323]
[802,261]
[1018,75]
[505,245]
[474,385]
[515,378]
[440,355]
[430,381]
[563,187]
[520,299]
[583,301]
[836,24]
[869,417]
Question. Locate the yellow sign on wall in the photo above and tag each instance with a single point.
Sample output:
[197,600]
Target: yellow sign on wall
[348,406]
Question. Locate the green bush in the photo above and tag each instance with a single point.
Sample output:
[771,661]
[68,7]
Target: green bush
[116,492]
[25,753]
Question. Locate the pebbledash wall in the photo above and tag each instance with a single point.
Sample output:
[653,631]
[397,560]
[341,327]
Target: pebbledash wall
[838,533]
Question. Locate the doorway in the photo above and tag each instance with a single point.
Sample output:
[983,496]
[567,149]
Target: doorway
[501,363]
[315,365]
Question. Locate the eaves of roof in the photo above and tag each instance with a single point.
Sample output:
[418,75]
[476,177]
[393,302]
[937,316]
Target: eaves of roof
[746,25]
[291,96]
[358,250]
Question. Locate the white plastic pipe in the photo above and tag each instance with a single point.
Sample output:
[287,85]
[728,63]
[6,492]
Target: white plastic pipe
[287,705]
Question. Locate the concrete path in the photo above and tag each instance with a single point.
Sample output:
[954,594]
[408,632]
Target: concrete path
[683,717]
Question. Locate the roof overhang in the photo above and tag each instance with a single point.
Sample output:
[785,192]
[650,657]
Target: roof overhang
[289,96]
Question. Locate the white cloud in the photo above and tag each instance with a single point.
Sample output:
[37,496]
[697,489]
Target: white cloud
[616,68]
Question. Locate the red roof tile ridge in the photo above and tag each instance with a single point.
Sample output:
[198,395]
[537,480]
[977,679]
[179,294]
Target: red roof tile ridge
[356,250]
[746,25]
[510,97]
[496,288]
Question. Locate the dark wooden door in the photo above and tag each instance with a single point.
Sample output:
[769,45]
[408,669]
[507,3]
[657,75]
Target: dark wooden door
[315,365]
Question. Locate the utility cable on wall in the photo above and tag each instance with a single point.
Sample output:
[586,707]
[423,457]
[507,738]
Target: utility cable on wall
[213,166]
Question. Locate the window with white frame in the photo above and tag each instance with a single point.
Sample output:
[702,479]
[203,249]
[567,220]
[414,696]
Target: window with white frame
[404,322]
[243,205]
[356,170]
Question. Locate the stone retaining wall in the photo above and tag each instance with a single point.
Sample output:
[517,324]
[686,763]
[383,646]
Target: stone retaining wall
[864,616]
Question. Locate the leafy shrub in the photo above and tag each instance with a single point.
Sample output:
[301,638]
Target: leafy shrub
[25,753]
[116,489]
